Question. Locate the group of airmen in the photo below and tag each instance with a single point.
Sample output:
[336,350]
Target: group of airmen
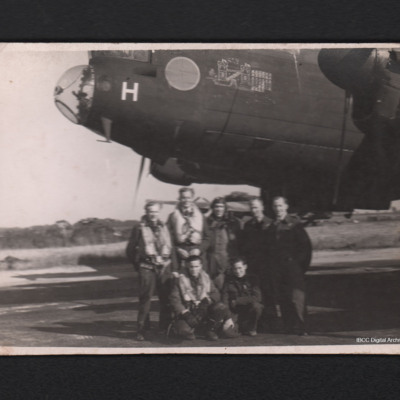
[216,278]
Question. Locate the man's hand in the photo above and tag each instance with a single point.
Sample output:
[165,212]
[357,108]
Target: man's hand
[243,301]
[190,319]
[202,308]
[205,302]
[182,253]
[195,252]
[228,324]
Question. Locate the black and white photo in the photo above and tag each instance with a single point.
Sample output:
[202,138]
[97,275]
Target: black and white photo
[199,198]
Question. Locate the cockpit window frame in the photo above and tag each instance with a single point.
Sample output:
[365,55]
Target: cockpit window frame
[122,54]
[84,85]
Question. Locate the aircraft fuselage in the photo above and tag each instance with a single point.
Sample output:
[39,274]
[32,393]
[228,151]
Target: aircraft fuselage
[267,118]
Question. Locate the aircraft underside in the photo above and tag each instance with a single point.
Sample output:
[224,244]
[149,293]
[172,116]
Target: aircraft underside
[321,128]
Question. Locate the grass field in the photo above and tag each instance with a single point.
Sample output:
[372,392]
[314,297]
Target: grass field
[64,256]
[339,234]
[355,235]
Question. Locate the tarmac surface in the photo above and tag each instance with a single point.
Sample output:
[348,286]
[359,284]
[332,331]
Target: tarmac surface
[351,295]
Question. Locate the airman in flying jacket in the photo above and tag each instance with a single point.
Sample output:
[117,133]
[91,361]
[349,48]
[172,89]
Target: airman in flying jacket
[224,240]
[289,256]
[188,229]
[149,249]
[196,304]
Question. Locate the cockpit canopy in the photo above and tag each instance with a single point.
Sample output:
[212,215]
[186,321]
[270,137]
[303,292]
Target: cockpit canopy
[73,94]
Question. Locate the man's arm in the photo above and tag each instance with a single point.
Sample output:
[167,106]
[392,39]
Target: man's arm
[257,296]
[243,240]
[235,233]
[132,247]
[170,227]
[303,247]
[225,297]
[214,293]
[205,243]
[175,299]
[174,257]
[179,308]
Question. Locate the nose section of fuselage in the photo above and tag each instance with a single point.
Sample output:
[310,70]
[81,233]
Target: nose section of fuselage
[73,94]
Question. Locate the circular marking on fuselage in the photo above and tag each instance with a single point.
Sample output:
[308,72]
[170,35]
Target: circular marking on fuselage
[182,73]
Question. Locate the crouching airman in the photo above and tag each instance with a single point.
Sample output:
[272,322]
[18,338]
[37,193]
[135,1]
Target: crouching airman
[242,294]
[196,304]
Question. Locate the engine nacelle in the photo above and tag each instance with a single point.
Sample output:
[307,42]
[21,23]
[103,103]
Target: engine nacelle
[350,69]
[170,172]
[372,76]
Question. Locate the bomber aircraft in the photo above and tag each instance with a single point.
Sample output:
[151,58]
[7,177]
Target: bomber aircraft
[321,127]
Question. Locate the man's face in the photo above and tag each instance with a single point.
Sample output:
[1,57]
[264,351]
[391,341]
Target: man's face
[239,269]
[257,209]
[186,199]
[280,208]
[194,268]
[152,212]
[219,210]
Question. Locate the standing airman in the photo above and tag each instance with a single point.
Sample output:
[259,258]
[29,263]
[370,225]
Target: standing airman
[189,230]
[289,256]
[224,237]
[149,249]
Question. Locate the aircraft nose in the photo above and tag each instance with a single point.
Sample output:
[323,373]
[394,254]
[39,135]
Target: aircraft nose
[73,94]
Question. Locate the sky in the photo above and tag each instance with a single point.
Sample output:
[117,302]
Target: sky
[52,169]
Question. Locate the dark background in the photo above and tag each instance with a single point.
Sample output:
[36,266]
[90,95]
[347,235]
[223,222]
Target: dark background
[200,377]
[195,20]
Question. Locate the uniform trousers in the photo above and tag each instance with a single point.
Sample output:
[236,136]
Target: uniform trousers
[288,289]
[212,321]
[260,268]
[149,281]
[248,315]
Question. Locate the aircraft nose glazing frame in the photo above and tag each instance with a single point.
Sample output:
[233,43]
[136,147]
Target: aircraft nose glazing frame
[73,94]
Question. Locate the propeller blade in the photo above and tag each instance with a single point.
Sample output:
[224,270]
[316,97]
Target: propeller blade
[369,181]
[342,139]
[139,179]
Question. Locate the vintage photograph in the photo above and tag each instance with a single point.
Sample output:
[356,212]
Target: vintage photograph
[199,198]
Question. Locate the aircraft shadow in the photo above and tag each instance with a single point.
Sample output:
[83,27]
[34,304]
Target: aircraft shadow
[111,329]
[340,304]
[113,307]
[36,293]
[59,275]
[358,302]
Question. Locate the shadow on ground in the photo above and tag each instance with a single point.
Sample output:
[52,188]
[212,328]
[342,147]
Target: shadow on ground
[340,304]
[123,284]
[367,301]
[111,329]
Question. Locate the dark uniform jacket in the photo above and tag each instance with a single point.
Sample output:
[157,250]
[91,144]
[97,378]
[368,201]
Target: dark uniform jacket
[289,243]
[243,291]
[254,244]
[224,237]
